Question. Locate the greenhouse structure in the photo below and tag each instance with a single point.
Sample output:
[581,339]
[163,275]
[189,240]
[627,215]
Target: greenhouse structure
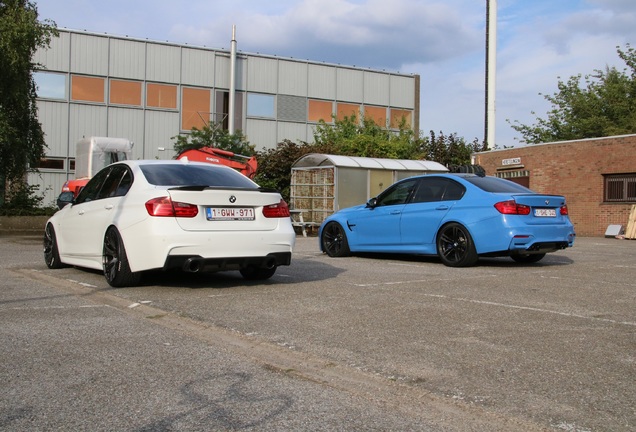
[322,184]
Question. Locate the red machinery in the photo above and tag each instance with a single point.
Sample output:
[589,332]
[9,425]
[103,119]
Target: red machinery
[94,153]
[246,165]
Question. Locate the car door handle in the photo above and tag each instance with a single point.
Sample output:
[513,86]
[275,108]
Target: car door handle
[396,212]
[108,206]
[81,212]
[442,207]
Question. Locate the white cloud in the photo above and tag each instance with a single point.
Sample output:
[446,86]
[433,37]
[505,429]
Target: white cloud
[442,40]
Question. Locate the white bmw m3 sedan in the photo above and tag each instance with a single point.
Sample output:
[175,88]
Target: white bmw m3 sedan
[140,215]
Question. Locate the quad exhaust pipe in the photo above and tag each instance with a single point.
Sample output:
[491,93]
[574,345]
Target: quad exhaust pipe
[196,264]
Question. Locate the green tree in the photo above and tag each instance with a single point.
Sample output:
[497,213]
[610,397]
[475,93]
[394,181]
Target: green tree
[213,135]
[21,136]
[449,150]
[348,137]
[604,106]
[274,165]
[367,139]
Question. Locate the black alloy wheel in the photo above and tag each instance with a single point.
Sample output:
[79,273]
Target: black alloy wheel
[115,262]
[455,246]
[334,240]
[51,251]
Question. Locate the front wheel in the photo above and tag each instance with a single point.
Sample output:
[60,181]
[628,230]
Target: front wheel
[51,251]
[528,258]
[257,273]
[455,246]
[334,240]
[115,261]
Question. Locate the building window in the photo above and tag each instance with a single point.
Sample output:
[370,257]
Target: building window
[50,164]
[377,114]
[400,117]
[320,110]
[161,96]
[260,105]
[620,188]
[347,110]
[50,85]
[195,108]
[125,92]
[521,177]
[292,108]
[222,110]
[89,89]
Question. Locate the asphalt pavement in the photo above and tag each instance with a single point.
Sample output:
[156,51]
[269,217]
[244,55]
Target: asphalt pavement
[387,343]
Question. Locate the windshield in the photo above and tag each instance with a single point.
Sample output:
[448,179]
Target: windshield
[195,175]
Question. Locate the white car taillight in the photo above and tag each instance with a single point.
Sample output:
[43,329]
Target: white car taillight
[165,207]
[279,210]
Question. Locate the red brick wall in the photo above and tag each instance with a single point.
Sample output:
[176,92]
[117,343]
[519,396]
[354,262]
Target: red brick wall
[574,169]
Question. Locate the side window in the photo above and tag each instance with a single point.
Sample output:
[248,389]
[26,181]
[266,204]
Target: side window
[454,191]
[399,193]
[92,188]
[117,183]
[437,189]
[124,184]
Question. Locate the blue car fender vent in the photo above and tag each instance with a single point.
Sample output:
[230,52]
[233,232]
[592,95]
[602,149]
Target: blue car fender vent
[350,226]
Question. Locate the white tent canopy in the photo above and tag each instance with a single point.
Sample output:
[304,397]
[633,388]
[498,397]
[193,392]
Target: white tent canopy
[323,160]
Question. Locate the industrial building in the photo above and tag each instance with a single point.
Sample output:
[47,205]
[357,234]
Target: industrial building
[149,92]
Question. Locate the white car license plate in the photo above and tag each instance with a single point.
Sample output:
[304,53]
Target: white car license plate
[540,212]
[229,213]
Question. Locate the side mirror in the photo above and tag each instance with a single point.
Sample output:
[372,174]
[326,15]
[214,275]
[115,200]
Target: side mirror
[373,202]
[64,199]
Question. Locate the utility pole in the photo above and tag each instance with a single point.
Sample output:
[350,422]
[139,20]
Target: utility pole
[491,68]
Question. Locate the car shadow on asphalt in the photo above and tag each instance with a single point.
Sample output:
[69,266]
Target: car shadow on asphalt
[501,262]
[301,270]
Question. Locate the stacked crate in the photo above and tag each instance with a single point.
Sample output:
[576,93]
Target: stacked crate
[313,192]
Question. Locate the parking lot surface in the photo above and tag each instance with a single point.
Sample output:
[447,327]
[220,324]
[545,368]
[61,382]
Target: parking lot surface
[367,342]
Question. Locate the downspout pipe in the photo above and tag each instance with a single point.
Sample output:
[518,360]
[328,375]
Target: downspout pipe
[231,126]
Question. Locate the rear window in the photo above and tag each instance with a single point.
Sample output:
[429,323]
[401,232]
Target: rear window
[494,184]
[194,175]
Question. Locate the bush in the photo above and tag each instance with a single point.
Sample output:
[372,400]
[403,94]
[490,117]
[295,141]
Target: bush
[23,200]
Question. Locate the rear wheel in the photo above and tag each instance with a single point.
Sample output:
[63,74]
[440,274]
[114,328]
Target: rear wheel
[455,246]
[51,252]
[334,240]
[116,266]
[257,273]
[528,258]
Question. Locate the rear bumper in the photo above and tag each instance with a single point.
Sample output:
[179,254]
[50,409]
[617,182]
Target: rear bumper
[159,245]
[505,239]
[196,263]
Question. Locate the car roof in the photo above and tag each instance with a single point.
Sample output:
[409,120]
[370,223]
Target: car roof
[140,162]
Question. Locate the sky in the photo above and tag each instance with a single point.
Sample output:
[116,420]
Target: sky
[539,42]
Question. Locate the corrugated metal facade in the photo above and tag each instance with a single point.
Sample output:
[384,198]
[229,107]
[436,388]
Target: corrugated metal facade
[291,83]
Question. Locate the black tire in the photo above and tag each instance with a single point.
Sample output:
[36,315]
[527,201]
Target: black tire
[257,273]
[334,240]
[528,258]
[455,246]
[115,262]
[51,251]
